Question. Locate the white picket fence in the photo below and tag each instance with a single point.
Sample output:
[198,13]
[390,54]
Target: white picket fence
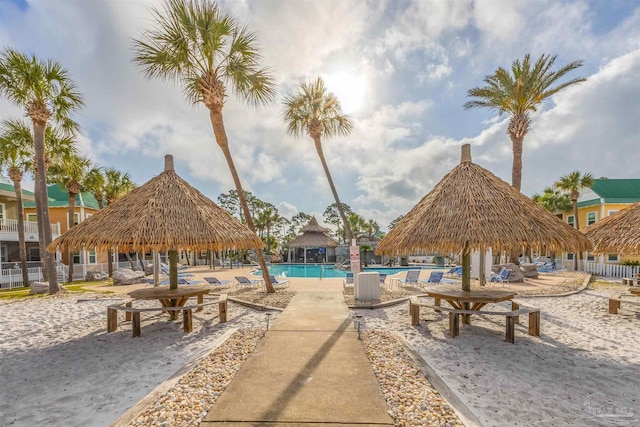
[12,277]
[609,270]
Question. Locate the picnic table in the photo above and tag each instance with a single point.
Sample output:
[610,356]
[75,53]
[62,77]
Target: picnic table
[172,297]
[456,297]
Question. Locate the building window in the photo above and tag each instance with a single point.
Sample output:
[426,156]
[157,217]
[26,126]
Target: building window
[92,256]
[613,258]
[571,220]
[76,258]
[591,218]
[31,217]
[76,218]
[2,209]
[611,212]
[570,257]
[590,257]
[4,253]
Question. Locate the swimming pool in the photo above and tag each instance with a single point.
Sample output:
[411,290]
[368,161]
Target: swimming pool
[327,270]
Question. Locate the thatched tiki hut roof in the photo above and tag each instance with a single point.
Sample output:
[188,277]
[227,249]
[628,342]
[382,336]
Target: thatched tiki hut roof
[313,235]
[618,233]
[471,208]
[164,214]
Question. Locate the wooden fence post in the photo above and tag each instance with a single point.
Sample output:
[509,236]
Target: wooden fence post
[222,308]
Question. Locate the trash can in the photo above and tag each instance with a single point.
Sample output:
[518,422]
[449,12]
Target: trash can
[367,286]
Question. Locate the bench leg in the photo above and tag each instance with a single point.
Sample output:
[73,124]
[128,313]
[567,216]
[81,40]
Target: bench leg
[454,324]
[200,301]
[415,314]
[135,324]
[222,308]
[437,304]
[187,321]
[515,306]
[511,329]
[614,306]
[112,319]
[534,323]
[127,314]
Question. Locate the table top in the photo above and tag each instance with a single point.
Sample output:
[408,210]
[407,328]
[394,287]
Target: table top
[163,292]
[474,295]
[635,290]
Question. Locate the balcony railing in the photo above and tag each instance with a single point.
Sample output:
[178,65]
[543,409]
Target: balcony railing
[30,228]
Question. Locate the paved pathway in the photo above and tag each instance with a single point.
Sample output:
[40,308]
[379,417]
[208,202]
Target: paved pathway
[309,370]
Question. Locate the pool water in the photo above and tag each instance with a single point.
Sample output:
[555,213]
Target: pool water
[327,270]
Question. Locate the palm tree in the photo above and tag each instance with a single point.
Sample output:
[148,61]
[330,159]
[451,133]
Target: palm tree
[316,112]
[371,227]
[45,91]
[16,155]
[71,173]
[95,183]
[196,44]
[268,218]
[517,94]
[572,185]
[117,185]
[552,200]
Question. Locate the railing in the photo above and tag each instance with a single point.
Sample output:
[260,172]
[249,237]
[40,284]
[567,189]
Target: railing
[16,265]
[608,270]
[12,277]
[11,226]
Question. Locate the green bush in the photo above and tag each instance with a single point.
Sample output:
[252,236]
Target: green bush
[634,263]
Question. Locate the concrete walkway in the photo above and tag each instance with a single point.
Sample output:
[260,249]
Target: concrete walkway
[309,370]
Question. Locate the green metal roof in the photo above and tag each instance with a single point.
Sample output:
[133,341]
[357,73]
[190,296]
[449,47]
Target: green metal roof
[614,191]
[59,198]
[11,188]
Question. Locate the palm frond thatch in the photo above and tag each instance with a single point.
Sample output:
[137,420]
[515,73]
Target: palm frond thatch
[471,208]
[165,213]
[618,233]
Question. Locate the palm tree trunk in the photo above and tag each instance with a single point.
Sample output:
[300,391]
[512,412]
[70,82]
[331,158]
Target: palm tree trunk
[347,228]
[17,185]
[110,262]
[133,266]
[516,168]
[217,122]
[70,214]
[466,279]
[42,206]
[574,201]
[41,247]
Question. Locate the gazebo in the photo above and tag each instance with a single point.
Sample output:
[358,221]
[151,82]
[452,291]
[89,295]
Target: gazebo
[472,209]
[618,233]
[164,214]
[313,245]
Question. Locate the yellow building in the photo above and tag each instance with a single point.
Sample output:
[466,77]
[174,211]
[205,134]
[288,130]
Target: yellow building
[604,198]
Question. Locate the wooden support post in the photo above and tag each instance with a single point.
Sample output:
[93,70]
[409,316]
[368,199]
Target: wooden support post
[414,311]
[511,329]
[614,305]
[112,319]
[127,314]
[200,301]
[534,323]
[515,306]
[437,303]
[454,324]
[187,321]
[135,324]
[222,308]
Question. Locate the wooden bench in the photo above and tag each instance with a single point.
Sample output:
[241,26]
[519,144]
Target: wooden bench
[615,301]
[512,317]
[133,314]
[629,281]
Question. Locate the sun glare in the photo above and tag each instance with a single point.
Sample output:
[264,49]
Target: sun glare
[348,88]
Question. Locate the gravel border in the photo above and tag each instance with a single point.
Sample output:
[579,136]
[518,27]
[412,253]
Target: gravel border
[411,399]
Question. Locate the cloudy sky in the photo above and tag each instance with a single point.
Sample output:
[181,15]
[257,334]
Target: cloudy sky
[401,69]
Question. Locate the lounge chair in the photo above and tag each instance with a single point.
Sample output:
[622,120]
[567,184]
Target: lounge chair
[245,282]
[187,276]
[548,267]
[434,278]
[278,283]
[182,281]
[219,283]
[348,280]
[502,277]
[454,272]
[383,277]
[410,279]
